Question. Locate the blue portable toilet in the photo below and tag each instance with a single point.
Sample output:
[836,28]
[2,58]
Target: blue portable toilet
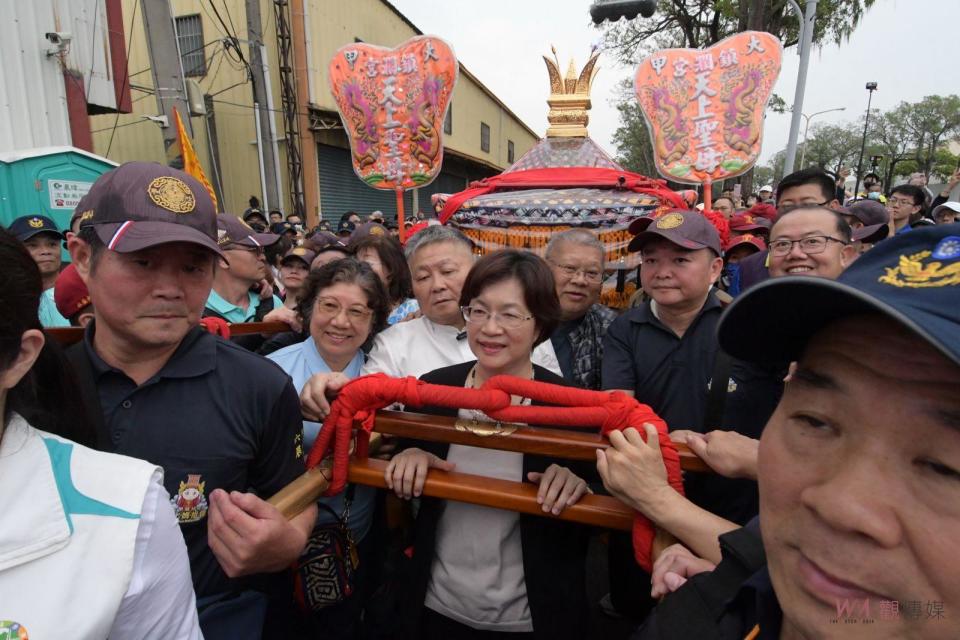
[47,181]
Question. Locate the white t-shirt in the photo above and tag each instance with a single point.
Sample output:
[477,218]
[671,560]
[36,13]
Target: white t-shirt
[419,346]
[477,577]
[159,602]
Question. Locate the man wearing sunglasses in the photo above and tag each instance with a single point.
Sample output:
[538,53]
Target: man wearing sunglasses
[810,240]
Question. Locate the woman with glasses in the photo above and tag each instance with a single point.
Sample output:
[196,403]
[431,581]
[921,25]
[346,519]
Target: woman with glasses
[342,305]
[478,571]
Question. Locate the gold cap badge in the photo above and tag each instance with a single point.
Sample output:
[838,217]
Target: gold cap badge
[670,221]
[172,194]
[36,223]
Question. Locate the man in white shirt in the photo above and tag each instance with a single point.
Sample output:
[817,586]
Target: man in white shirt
[439,258]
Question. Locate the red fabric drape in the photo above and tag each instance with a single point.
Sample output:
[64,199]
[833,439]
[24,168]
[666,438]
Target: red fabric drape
[561,178]
[360,398]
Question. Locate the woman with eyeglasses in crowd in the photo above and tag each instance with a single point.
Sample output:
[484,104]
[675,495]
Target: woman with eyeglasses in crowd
[479,571]
[343,305]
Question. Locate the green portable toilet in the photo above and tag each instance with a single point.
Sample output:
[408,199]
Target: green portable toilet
[47,181]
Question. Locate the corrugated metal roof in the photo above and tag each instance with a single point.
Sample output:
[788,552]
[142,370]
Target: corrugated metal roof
[33,101]
[14,156]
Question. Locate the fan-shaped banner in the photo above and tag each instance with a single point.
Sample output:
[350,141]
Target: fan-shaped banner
[705,107]
[392,103]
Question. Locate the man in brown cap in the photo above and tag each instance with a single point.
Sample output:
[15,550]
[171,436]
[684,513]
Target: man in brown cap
[665,354]
[223,423]
[242,269]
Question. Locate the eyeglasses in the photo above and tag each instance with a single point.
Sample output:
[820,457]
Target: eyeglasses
[789,204]
[809,245]
[507,320]
[331,308]
[590,275]
[906,202]
[239,247]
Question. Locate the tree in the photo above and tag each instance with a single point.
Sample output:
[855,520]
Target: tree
[889,137]
[701,23]
[832,146]
[930,123]
[632,139]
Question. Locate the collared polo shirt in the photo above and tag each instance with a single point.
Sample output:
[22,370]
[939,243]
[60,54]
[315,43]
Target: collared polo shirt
[301,361]
[214,417]
[667,372]
[673,375]
[233,313]
[49,314]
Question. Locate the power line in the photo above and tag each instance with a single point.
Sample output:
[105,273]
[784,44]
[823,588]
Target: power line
[125,124]
[126,76]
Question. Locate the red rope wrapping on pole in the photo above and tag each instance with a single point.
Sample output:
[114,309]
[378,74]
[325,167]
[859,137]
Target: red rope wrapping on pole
[360,398]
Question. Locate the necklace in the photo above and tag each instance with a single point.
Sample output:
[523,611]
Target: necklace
[477,416]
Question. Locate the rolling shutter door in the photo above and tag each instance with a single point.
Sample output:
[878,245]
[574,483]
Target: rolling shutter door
[341,190]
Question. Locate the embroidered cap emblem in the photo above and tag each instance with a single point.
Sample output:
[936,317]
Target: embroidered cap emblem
[172,194]
[914,273]
[670,221]
[36,223]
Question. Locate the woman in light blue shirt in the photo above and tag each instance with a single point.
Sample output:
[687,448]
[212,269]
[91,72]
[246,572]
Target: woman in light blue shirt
[343,305]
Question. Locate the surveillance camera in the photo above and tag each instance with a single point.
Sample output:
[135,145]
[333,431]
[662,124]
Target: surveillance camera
[59,38]
[871,86]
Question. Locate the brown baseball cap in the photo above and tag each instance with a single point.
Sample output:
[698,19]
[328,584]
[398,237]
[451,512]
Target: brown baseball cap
[299,253]
[324,241]
[233,230]
[143,204]
[686,229]
[869,212]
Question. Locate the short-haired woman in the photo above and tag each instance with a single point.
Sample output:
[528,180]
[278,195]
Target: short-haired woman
[384,255]
[342,305]
[484,572]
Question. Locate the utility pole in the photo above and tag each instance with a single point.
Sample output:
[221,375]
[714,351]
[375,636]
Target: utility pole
[262,96]
[167,70]
[806,43]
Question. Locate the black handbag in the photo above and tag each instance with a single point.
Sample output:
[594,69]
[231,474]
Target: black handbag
[326,569]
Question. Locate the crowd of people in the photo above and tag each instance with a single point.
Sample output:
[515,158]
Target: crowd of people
[805,348]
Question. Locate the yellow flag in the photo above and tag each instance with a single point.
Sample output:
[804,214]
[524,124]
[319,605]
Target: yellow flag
[191,164]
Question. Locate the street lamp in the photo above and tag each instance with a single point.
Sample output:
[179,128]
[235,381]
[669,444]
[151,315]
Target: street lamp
[871,87]
[806,126]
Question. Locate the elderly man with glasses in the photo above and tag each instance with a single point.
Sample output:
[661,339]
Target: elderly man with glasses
[576,259]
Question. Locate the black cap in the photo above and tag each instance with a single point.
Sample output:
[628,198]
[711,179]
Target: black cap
[280,228]
[346,228]
[913,278]
[143,204]
[25,227]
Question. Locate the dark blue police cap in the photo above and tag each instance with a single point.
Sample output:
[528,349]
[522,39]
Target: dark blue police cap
[25,227]
[913,278]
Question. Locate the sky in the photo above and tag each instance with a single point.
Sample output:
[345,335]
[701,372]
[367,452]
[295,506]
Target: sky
[502,41]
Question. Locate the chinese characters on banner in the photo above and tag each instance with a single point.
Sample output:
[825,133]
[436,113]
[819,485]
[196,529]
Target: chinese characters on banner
[705,108]
[392,103]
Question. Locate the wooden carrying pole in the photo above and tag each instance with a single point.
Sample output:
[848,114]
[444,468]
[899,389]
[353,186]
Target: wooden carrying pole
[599,511]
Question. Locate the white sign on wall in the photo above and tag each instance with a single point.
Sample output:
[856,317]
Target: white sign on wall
[65,194]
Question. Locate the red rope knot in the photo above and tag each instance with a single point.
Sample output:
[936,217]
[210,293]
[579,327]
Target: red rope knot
[362,397]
